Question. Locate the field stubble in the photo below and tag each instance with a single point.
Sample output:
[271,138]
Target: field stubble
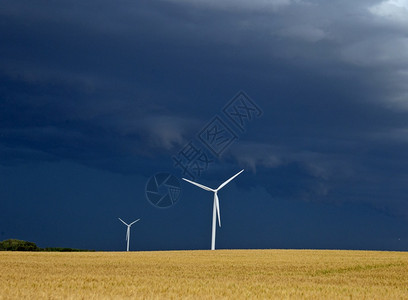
[233,274]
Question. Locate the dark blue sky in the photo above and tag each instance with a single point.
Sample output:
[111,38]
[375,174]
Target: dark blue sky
[98,96]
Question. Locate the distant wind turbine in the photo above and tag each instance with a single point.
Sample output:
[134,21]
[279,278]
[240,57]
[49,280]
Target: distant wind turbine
[216,206]
[128,231]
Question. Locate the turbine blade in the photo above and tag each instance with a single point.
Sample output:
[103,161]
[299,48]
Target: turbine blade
[200,185]
[226,182]
[127,234]
[123,221]
[134,222]
[217,206]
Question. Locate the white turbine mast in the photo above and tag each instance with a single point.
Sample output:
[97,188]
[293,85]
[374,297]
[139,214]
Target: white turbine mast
[128,231]
[216,205]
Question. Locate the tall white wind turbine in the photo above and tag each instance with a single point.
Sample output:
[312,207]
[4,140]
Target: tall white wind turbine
[216,205]
[128,231]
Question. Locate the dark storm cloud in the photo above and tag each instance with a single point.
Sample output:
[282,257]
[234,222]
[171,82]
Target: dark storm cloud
[110,84]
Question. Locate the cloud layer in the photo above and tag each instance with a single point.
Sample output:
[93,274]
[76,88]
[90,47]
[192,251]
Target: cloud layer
[112,85]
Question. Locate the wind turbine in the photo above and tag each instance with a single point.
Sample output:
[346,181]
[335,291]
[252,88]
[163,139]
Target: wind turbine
[128,231]
[216,205]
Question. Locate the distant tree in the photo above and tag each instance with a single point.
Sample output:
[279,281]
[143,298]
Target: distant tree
[18,245]
[60,249]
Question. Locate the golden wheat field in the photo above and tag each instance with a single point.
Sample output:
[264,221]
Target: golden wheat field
[234,274]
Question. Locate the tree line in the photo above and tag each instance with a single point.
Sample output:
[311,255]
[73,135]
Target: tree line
[19,245]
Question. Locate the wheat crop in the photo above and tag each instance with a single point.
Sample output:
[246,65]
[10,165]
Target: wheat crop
[233,274]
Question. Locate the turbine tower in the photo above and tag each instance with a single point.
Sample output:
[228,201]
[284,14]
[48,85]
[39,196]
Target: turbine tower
[216,205]
[128,231]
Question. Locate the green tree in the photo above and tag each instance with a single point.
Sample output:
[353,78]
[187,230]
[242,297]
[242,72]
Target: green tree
[18,245]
